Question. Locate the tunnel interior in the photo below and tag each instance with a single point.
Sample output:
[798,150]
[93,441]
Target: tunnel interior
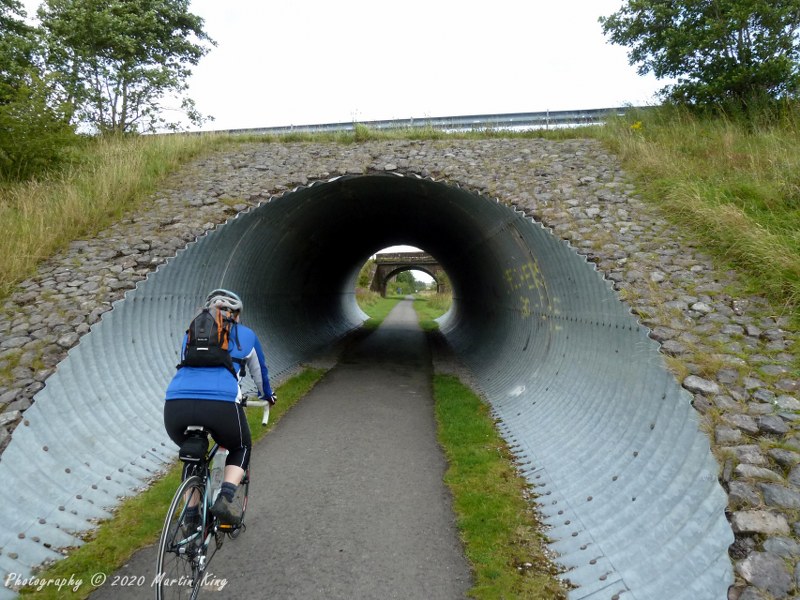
[624,476]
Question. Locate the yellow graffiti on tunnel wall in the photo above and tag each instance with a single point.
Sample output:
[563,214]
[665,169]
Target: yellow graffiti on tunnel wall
[526,277]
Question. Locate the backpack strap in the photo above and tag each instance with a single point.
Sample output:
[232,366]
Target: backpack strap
[235,333]
[242,365]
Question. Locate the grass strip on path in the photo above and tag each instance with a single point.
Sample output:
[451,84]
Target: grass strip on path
[138,520]
[496,520]
[498,526]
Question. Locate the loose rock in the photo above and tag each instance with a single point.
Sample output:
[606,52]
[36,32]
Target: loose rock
[699,385]
[767,572]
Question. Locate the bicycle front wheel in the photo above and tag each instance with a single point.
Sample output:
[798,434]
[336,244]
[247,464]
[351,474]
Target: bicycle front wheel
[180,549]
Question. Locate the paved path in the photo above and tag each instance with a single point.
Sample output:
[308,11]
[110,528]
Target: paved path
[347,499]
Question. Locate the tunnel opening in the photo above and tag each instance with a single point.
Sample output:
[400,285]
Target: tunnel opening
[624,476]
[419,269]
[413,280]
[401,285]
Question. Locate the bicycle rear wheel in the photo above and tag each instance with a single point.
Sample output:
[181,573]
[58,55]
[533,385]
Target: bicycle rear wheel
[180,549]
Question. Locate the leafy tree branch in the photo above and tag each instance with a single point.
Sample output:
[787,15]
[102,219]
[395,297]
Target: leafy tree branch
[720,52]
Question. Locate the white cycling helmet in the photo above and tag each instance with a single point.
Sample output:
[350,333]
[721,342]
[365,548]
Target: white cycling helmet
[224,299]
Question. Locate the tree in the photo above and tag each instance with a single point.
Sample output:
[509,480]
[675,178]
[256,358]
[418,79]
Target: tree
[117,61]
[32,133]
[16,46]
[403,283]
[719,52]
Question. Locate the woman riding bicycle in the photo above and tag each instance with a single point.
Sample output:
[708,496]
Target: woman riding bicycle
[210,396]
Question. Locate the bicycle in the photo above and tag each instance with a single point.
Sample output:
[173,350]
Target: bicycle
[185,546]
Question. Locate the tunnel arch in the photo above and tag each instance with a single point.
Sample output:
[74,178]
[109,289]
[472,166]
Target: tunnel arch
[437,278]
[399,270]
[626,479]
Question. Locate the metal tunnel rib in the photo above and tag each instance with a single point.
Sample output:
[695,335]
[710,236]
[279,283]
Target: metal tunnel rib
[625,478]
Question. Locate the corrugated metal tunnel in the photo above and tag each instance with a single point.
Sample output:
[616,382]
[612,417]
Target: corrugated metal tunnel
[626,479]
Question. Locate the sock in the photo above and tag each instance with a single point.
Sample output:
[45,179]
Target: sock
[228,490]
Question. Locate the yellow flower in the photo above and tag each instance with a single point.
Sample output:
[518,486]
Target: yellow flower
[636,126]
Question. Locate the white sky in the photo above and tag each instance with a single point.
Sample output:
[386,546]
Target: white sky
[313,61]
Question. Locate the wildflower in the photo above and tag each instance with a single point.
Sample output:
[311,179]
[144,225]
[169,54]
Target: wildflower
[636,126]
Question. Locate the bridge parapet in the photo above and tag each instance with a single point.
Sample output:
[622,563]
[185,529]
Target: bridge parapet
[403,257]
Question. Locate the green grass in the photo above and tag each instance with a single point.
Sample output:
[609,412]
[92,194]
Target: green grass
[500,531]
[111,178]
[430,307]
[363,133]
[138,520]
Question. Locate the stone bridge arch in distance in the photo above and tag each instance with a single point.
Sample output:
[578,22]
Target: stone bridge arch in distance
[389,264]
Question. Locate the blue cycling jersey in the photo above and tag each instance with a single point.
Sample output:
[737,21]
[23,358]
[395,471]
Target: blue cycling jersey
[217,383]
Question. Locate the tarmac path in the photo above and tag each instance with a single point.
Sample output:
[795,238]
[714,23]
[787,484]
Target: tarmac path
[346,495]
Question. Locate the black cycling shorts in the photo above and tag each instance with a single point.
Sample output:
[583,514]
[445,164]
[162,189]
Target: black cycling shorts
[225,420]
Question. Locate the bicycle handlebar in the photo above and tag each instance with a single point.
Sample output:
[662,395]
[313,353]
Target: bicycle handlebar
[246,401]
[255,403]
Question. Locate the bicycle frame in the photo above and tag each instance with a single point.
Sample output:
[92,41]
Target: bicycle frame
[202,470]
[192,547]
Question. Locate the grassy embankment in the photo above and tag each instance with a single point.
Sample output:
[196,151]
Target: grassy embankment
[430,307]
[108,179]
[734,186]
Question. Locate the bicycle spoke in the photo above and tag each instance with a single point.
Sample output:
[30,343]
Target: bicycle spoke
[180,551]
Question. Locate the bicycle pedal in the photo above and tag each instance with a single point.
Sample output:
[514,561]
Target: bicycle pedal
[236,532]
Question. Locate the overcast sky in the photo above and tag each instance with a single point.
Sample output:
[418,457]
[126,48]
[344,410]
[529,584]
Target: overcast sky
[313,61]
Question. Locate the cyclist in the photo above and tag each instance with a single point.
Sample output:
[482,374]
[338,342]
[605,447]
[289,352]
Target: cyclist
[211,397]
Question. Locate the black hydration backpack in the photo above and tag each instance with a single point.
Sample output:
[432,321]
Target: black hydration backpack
[208,341]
